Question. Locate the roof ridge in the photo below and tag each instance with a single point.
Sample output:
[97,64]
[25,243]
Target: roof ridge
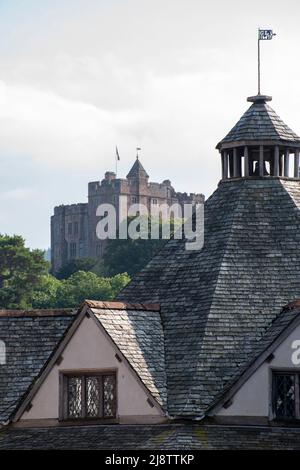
[117,305]
[238,201]
[270,109]
[55,312]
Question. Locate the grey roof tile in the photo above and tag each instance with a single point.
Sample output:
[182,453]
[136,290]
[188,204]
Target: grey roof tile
[260,122]
[139,336]
[279,324]
[159,437]
[30,339]
[217,303]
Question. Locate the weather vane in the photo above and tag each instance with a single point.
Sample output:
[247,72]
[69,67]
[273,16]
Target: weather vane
[263,35]
[137,152]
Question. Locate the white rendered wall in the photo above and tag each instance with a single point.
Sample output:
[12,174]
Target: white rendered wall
[89,349]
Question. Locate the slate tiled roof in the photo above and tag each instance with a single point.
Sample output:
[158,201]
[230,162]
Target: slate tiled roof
[260,122]
[139,336]
[217,303]
[288,315]
[159,437]
[137,170]
[30,338]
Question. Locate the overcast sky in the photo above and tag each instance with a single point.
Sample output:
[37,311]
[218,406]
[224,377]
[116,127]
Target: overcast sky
[78,77]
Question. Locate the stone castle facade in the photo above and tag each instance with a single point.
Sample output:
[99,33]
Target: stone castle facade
[73,227]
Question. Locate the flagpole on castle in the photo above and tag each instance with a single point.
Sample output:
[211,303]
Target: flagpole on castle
[117,159]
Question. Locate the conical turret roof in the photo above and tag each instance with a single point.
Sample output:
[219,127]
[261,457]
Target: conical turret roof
[260,123]
[137,170]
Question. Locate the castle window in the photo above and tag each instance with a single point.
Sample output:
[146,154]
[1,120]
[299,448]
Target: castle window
[75,228]
[286,395]
[88,396]
[73,250]
[70,228]
[154,202]
[134,199]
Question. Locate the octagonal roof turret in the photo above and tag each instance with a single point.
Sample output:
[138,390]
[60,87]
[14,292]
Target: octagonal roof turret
[259,123]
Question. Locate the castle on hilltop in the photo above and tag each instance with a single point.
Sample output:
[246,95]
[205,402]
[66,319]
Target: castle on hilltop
[73,227]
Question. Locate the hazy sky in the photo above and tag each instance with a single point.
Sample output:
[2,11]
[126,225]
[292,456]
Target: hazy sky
[78,77]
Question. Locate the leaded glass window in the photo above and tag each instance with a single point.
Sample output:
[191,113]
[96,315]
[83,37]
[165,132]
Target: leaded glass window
[75,397]
[286,395]
[90,396]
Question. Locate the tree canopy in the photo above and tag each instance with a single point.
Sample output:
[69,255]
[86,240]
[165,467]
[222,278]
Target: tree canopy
[25,282]
[21,271]
[55,293]
[131,255]
[81,264]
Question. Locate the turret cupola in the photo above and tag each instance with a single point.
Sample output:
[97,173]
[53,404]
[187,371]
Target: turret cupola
[260,144]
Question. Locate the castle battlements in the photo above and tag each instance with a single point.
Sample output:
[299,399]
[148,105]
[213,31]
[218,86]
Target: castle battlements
[73,226]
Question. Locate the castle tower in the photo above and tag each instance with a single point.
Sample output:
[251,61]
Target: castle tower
[260,144]
[137,171]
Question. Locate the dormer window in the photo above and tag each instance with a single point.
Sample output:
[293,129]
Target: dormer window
[285,395]
[88,396]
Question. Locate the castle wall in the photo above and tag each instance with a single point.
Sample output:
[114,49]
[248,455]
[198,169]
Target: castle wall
[69,234]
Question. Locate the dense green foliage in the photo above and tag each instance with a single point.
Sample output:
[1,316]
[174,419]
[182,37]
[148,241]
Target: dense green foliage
[132,255]
[25,282]
[129,255]
[21,270]
[82,264]
[55,293]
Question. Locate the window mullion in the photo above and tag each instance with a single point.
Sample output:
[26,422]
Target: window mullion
[101,394]
[83,396]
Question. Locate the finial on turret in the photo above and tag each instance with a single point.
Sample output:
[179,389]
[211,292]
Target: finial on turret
[259,98]
[137,152]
